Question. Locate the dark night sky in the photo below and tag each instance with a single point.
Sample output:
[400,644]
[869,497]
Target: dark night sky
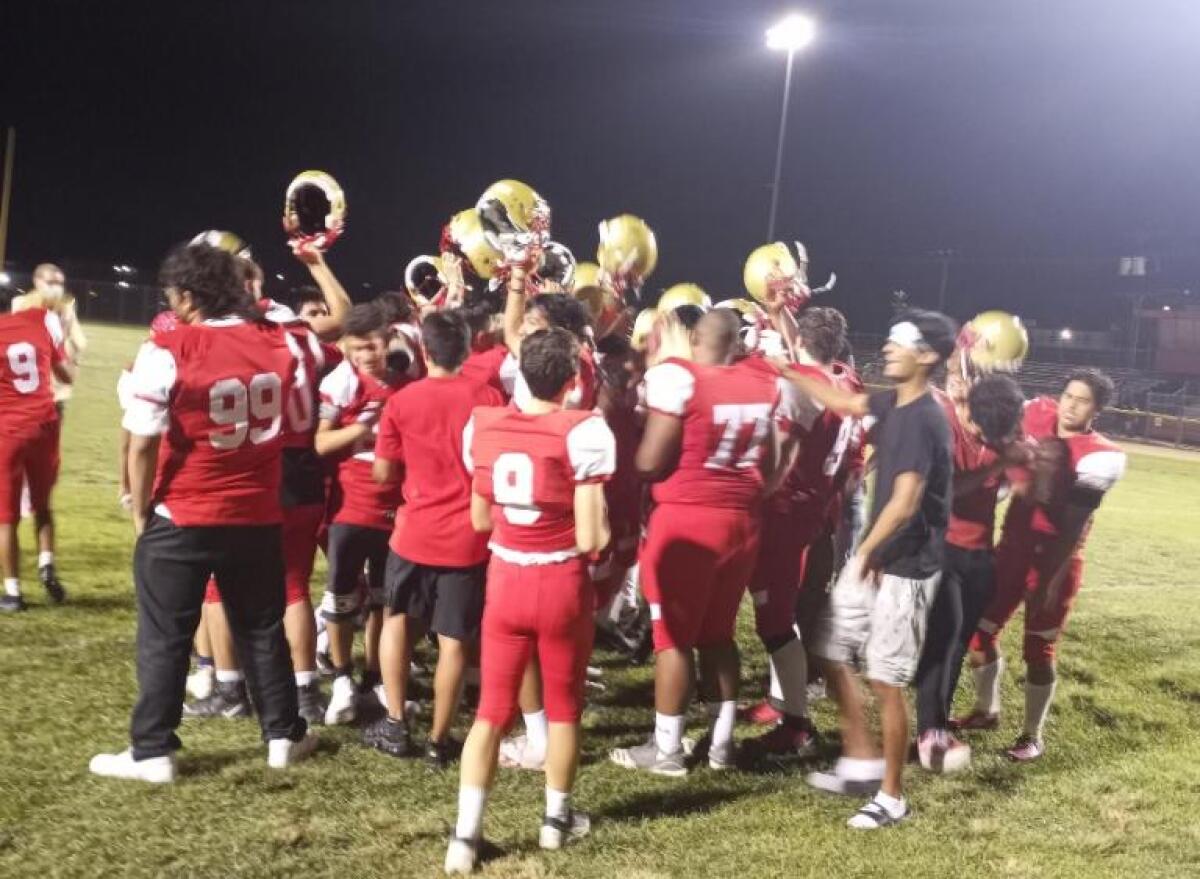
[1039,140]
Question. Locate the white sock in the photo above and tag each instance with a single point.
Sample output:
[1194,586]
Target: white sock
[723,715]
[225,676]
[858,769]
[471,801]
[45,558]
[558,804]
[775,691]
[1037,705]
[668,732]
[536,731]
[304,678]
[987,686]
[790,664]
[12,587]
[895,806]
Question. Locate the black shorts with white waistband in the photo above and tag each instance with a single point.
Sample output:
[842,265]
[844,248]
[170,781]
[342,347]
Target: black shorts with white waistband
[448,600]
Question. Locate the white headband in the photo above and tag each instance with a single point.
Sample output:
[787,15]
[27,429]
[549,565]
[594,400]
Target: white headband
[907,335]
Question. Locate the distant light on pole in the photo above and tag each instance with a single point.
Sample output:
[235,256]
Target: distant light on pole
[124,285]
[279,275]
[790,35]
[1166,308]
[5,279]
[1065,334]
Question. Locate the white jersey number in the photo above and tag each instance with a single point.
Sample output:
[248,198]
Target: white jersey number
[301,417]
[833,461]
[22,360]
[512,487]
[735,450]
[233,405]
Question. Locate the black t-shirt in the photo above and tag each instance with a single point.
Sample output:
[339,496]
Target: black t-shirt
[912,438]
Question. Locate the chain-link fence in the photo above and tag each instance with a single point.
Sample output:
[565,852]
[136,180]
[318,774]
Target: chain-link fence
[119,301]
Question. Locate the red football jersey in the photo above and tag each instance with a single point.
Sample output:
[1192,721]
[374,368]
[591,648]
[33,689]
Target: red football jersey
[347,397]
[973,515]
[426,426]
[728,413]
[31,342]
[314,360]
[583,397]
[484,367]
[1088,460]
[217,392]
[528,467]
[623,493]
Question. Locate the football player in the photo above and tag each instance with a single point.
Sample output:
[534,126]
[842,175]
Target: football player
[709,443]
[1039,561]
[539,470]
[32,353]
[436,564]
[215,387]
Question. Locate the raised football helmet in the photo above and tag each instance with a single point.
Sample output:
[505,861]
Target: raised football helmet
[465,234]
[314,211]
[683,294]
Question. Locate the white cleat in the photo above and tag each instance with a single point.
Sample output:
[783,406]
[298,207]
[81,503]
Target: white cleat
[282,753]
[556,833]
[462,856]
[200,683]
[343,702]
[155,770]
[515,753]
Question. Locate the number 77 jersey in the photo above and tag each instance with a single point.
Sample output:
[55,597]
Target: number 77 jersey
[728,413]
[216,393]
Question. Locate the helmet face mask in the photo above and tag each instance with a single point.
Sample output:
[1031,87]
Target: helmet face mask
[314,211]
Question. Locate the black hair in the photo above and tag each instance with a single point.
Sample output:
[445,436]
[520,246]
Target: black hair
[480,307]
[939,332]
[996,404]
[561,310]
[446,338]
[215,279]
[689,315]
[302,296]
[822,332]
[365,319]
[395,305]
[612,368]
[1101,385]
[549,358]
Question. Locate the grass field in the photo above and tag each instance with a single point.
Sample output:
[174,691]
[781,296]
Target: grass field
[1116,795]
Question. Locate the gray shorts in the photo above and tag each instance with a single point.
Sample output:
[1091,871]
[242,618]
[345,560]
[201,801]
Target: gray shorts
[882,627]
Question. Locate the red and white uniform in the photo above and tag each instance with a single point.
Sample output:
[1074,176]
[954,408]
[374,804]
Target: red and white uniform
[799,512]
[702,538]
[623,497]
[973,515]
[426,427]
[1089,464]
[216,392]
[31,343]
[349,396]
[539,594]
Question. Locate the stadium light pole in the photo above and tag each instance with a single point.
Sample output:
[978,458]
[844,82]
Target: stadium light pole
[790,35]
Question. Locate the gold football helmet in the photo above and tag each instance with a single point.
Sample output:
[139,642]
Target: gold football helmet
[587,274]
[314,210]
[628,248]
[643,325]
[768,268]
[229,242]
[509,206]
[683,294]
[995,341]
[466,233]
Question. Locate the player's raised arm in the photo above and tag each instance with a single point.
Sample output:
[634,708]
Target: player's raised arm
[831,397]
[327,327]
[514,309]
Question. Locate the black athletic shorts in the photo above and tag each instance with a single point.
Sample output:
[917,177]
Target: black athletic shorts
[448,600]
[353,548]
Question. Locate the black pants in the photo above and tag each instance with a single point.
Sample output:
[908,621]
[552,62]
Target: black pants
[171,566]
[968,583]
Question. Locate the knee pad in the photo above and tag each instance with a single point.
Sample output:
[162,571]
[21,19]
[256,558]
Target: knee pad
[340,608]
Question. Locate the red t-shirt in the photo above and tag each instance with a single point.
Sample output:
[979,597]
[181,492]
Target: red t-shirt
[623,493]
[484,367]
[1088,464]
[426,427]
[349,396]
[528,467]
[216,391]
[31,342]
[728,414]
[973,515]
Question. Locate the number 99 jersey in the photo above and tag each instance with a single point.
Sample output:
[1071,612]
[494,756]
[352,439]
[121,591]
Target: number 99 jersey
[528,467]
[728,413]
[216,392]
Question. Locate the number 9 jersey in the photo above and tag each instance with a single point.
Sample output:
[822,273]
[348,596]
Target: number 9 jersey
[216,392]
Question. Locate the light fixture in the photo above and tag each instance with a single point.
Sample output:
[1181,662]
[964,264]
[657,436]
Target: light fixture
[792,33]
[1065,334]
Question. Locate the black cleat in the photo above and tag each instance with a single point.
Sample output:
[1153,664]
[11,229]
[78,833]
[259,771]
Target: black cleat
[439,755]
[54,589]
[11,604]
[311,703]
[227,700]
[389,736]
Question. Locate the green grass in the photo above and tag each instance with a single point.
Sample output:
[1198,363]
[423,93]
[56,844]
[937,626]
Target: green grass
[1117,794]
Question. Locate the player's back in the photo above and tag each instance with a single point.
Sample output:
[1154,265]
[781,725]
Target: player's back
[528,466]
[824,451]
[30,341]
[728,414]
[220,464]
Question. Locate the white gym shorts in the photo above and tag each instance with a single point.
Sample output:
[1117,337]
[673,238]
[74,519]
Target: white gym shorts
[881,627]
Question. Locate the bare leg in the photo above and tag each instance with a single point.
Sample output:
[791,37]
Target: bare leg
[395,658]
[44,521]
[856,739]
[674,671]
[341,643]
[480,755]
[719,672]
[530,697]
[562,756]
[894,721]
[447,685]
[224,653]
[301,631]
[203,643]
[10,554]
[371,639]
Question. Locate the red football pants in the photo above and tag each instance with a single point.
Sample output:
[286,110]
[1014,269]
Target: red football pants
[300,527]
[545,609]
[33,459]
